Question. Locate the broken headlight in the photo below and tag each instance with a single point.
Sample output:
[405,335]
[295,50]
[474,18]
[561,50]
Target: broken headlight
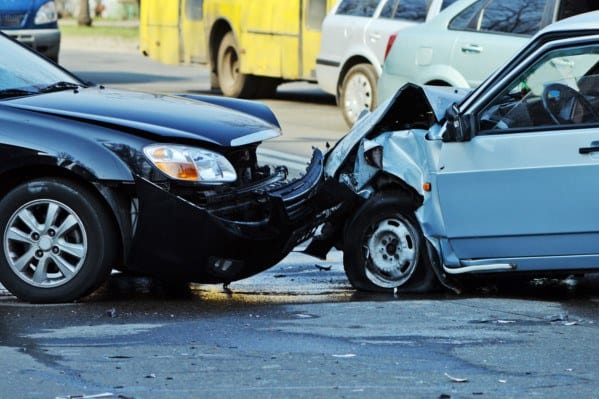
[191,163]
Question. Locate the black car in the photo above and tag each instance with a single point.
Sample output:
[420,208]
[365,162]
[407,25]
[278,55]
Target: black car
[94,179]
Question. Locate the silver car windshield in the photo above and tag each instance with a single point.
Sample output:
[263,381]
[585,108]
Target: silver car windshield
[24,71]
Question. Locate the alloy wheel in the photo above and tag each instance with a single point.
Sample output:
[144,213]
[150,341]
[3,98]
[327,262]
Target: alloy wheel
[45,243]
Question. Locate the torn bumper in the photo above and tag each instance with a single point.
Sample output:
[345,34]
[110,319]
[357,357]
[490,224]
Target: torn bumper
[210,242]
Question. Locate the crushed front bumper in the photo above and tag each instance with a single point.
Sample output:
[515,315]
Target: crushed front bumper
[209,241]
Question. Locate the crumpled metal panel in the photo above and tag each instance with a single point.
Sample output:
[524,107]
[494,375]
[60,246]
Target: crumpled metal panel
[410,155]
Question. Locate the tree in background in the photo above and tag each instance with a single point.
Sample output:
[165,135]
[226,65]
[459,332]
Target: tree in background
[84,18]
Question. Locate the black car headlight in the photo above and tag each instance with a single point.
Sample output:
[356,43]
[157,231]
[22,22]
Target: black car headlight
[191,163]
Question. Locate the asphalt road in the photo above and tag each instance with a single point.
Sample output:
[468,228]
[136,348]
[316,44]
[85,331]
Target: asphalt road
[297,330]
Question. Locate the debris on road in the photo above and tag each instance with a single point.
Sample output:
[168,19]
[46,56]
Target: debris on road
[558,317]
[456,379]
[494,321]
[324,268]
[97,396]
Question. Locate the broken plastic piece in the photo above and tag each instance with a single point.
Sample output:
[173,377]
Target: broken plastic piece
[456,379]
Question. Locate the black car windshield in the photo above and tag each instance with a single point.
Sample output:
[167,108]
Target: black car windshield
[22,72]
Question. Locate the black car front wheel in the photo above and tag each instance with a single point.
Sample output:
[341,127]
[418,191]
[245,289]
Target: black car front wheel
[57,241]
[384,247]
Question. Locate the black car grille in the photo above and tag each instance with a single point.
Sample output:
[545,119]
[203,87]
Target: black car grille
[11,19]
[258,201]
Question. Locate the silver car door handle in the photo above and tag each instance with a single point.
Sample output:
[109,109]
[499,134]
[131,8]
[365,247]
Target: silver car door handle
[587,150]
[375,36]
[472,48]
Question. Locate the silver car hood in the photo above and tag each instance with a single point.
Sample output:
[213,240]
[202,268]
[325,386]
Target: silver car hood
[431,101]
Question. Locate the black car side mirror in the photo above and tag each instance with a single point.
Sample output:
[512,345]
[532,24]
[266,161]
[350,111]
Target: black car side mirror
[459,126]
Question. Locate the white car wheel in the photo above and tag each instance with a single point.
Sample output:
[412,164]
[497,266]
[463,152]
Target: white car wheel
[358,92]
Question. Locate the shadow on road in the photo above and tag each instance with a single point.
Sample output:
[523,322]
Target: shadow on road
[312,96]
[124,287]
[315,96]
[125,77]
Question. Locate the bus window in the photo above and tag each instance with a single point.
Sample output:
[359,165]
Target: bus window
[194,9]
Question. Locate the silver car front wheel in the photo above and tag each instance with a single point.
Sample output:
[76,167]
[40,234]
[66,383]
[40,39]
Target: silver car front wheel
[383,247]
[392,252]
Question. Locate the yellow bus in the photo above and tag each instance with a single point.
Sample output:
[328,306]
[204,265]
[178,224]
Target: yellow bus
[250,46]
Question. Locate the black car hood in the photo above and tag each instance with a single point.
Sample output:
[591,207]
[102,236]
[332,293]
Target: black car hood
[169,117]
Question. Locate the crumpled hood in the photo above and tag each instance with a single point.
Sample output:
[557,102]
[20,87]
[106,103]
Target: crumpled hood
[412,106]
[168,117]
[440,98]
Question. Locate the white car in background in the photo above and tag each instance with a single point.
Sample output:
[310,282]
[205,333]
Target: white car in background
[469,40]
[355,36]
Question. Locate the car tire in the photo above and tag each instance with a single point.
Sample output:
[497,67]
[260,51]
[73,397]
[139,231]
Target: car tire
[384,248]
[357,92]
[58,242]
[232,82]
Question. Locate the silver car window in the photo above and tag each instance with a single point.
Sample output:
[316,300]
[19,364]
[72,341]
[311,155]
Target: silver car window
[358,8]
[463,19]
[412,10]
[562,88]
[447,3]
[569,8]
[521,17]
[511,16]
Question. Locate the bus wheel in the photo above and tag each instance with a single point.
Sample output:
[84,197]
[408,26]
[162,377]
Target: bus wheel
[232,82]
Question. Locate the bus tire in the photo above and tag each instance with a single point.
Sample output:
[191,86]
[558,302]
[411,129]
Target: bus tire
[232,82]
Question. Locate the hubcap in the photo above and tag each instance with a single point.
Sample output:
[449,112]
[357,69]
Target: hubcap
[391,252]
[230,66]
[358,96]
[45,243]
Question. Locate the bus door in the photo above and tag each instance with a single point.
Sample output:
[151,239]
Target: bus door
[272,29]
[312,15]
[160,36]
[193,32]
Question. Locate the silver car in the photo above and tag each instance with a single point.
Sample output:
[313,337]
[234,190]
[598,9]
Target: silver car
[441,182]
[466,42]
[355,36]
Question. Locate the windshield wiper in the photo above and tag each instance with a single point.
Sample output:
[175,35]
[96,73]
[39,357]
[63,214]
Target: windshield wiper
[59,86]
[15,93]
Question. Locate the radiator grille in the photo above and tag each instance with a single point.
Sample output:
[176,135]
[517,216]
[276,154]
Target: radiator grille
[11,19]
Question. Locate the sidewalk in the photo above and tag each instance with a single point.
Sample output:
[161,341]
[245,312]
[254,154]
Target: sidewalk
[128,23]
[90,43]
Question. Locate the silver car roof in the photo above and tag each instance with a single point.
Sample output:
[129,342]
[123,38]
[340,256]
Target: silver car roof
[586,21]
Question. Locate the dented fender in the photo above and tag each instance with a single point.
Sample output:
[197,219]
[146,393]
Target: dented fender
[412,158]
[408,130]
